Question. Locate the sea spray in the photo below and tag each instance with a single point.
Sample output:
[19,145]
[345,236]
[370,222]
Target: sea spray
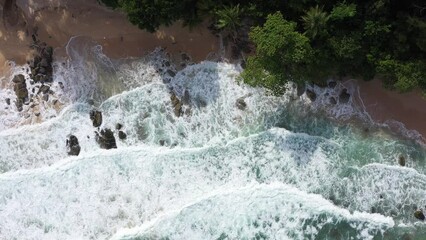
[184,176]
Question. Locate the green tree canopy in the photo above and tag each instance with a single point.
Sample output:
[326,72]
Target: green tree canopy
[282,54]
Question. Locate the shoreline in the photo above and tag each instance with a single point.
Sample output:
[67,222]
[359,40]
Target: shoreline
[56,22]
[390,108]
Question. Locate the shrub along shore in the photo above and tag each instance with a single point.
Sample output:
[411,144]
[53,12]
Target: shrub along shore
[308,40]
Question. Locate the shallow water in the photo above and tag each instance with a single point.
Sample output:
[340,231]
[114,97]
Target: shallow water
[279,169]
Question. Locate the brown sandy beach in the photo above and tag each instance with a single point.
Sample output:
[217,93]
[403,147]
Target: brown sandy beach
[384,105]
[56,21]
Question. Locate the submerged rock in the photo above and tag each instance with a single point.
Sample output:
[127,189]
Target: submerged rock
[311,95]
[419,215]
[344,96]
[21,91]
[332,84]
[177,105]
[185,57]
[171,73]
[401,160]
[96,117]
[106,139]
[7,101]
[333,100]
[241,104]
[73,147]
[186,99]
[300,89]
[122,135]
[43,89]
[118,126]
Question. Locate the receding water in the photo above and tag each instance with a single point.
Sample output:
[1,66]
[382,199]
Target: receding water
[279,169]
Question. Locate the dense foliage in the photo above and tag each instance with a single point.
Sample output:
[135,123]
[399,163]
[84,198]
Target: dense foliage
[310,40]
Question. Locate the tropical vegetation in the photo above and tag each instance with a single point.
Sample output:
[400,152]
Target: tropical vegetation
[309,40]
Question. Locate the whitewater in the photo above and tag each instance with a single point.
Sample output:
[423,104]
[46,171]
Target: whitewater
[280,167]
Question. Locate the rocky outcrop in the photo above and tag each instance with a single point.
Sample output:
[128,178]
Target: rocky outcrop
[177,104]
[241,104]
[41,64]
[122,135]
[344,96]
[419,215]
[105,138]
[311,95]
[401,160]
[20,88]
[73,147]
[44,89]
[171,73]
[332,84]
[96,117]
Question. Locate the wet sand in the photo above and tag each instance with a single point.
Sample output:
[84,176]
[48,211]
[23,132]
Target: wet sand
[56,21]
[385,105]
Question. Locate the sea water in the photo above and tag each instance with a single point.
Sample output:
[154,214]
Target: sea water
[280,168]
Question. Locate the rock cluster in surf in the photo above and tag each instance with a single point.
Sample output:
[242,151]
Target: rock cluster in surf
[342,97]
[38,87]
[96,118]
[20,88]
[419,215]
[105,138]
[73,147]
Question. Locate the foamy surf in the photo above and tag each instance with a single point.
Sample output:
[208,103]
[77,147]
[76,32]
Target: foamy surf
[262,211]
[211,171]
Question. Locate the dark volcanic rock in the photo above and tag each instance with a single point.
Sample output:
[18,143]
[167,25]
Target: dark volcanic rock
[185,57]
[44,63]
[241,104]
[122,135]
[419,215]
[20,89]
[118,126]
[43,89]
[311,95]
[171,73]
[401,160]
[7,101]
[177,104]
[48,55]
[332,84]
[300,90]
[42,70]
[96,118]
[333,101]
[73,147]
[45,97]
[186,97]
[18,79]
[106,139]
[344,96]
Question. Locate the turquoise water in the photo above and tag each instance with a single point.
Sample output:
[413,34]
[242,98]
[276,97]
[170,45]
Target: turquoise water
[278,169]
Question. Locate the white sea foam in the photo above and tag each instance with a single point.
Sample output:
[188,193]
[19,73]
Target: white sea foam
[200,183]
[274,211]
[97,193]
[147,116]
